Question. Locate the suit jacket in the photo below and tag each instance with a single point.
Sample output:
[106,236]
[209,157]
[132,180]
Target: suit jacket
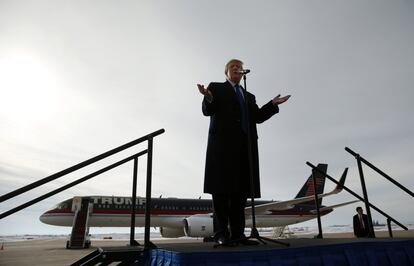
[360,231]
[225,172]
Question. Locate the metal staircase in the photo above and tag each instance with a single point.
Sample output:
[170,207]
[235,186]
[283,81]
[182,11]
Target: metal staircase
[80,229]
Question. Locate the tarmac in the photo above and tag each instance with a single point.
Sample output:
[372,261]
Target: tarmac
[52,251]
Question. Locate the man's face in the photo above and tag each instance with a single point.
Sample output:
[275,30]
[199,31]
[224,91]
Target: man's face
[360,211]
[232,74]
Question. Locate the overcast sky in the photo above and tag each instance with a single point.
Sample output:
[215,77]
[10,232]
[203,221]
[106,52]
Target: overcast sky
[78,78]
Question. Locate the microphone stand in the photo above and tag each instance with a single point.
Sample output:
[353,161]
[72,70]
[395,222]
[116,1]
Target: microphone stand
[254,233]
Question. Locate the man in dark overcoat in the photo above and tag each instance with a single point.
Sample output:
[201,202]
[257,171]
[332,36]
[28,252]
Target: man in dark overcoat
[227,176]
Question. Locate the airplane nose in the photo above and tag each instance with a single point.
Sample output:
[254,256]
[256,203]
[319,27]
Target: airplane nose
[43,218]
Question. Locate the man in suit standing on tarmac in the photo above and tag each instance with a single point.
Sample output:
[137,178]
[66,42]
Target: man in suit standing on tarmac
[360,223]
[227,176]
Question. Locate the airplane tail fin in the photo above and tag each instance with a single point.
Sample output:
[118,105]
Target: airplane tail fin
[339,186]
[308,189]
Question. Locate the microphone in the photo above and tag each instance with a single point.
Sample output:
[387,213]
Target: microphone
[243,72]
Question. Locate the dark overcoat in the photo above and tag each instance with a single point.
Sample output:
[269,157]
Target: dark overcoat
[226,170]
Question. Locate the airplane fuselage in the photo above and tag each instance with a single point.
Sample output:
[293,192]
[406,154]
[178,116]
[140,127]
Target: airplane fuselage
[165,212]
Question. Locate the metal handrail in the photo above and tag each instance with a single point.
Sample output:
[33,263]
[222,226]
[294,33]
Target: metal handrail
[361,160]
[74,183]
[356,195]
[79,166]
[373,167]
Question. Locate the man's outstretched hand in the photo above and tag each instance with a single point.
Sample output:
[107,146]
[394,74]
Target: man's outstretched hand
[204,91]
[279,100]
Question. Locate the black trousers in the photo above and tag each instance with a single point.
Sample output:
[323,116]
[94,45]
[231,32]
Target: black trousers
[229,218]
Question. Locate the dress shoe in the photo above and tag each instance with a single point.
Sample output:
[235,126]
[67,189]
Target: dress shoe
[247,242]
[221,240]
[225,242]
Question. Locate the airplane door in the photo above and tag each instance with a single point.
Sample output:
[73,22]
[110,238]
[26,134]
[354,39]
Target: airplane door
[76,203]
[90,206]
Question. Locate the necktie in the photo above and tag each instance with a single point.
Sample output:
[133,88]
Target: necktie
[361,221]
[243,112]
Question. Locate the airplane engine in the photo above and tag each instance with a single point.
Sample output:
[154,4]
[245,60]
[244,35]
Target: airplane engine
[170,232]
[199,226]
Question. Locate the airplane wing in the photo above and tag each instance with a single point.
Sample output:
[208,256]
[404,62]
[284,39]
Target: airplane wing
[289,204]
[335,206]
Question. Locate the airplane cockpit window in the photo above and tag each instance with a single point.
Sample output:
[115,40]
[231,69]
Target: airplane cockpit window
[62,205]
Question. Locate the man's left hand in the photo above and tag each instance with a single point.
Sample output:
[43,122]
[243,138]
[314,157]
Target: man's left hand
[279,100]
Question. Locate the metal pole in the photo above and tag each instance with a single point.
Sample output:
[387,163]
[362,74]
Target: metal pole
[254,231]
[134,197]
[389,227]
[148,196]
[364,191]
[317,205]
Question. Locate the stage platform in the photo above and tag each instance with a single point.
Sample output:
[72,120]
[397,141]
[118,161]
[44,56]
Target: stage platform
[335,252]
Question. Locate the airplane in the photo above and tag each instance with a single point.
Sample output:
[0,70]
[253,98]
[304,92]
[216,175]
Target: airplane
[190,217]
